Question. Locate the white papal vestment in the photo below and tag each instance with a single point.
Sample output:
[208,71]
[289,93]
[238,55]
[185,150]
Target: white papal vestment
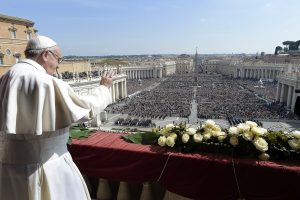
[36,111]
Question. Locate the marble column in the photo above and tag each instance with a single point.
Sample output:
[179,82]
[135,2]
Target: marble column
[294,98]
[113,93]
[281,93]
[289,98]
[278,92]
[121,90]
[125,88]
[117,91]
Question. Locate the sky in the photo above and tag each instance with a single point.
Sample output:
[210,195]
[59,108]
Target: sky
[133,27]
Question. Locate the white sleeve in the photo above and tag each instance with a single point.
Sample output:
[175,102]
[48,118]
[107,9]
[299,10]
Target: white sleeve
[82,108]
[97,101]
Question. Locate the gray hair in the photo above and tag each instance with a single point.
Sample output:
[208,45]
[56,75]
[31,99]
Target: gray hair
[34,53]
[37,45]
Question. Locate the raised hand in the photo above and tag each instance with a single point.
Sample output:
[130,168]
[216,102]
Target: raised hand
[107,78]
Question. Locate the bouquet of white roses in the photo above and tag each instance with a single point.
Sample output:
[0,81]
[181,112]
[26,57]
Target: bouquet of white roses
[245,139]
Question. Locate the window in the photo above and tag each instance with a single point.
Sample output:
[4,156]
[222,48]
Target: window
[29,34]
[13,32]
[8,52]
[17,57]
[1,58]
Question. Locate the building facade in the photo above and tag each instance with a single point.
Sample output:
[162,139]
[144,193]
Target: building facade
[287,87]
[133,71]
[14,34]
[184,66]
[169,68]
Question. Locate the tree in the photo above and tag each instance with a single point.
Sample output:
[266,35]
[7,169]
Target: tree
[297,44]
[278,48]
[286,43]
[291,45]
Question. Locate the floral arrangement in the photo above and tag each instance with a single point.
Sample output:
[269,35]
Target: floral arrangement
[245,139]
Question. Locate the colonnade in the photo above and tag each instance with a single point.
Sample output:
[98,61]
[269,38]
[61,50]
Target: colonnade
[286,91]
[118,89]
[141,73]
[257,73]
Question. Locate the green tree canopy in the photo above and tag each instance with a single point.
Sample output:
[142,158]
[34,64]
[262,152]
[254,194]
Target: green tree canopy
[291,45]
[278,48]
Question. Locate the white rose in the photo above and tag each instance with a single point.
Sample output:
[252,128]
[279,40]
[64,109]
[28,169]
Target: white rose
[260,144]
[242,127]
[173,135]
[248,135]
[216,128]
[185,138]
[170,126]
[251,124]
[170,141]
[208,130]
[197,137]
[221,136]
[233,130]
[215,133]
[259,131]
[234,140]
[165,132]
[264,156]
[162,141]
[206,136]
[209,123]
[296,134]
[294,144]
[191,131]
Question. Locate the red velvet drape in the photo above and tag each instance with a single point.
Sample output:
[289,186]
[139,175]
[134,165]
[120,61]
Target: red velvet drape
[194,175]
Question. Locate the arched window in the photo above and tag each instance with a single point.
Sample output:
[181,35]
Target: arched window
[8,52]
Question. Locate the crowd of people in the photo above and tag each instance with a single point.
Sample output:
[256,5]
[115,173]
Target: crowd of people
[140,84]
[134,122]
[171,97]
[265,89]
[227,97]
[70,75]
[217,96]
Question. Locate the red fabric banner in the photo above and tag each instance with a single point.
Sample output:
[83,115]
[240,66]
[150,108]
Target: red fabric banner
[194,175]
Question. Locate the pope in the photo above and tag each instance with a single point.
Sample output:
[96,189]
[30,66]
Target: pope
[36,111]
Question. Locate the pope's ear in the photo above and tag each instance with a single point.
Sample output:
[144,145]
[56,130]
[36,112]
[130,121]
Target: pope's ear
[44,55]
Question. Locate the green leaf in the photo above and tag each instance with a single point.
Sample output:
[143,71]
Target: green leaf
[80,133]
[150,138]
[134,138]
[142,138]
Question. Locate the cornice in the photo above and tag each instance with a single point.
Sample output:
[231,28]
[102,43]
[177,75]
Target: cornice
[16,20]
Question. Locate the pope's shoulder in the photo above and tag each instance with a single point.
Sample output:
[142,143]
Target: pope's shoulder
[25,72]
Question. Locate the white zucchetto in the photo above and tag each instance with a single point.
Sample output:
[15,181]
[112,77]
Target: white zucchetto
[40,42]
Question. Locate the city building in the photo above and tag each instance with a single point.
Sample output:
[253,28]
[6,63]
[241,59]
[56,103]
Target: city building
[185,65]
[14,34]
